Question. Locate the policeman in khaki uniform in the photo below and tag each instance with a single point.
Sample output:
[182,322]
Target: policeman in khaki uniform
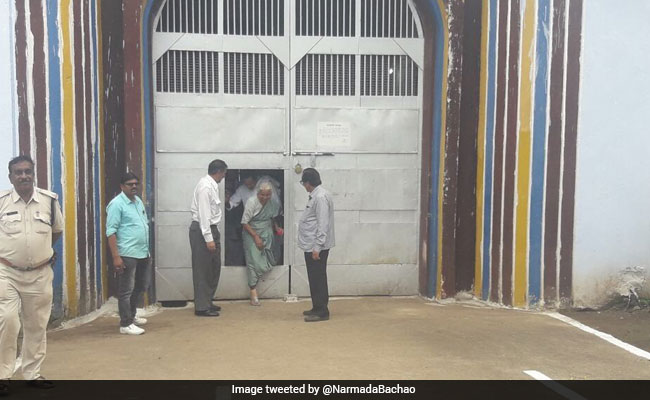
[27,232]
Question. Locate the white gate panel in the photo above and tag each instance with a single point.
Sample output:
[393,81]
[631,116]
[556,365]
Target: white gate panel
[185,129]
[379,131]
[343,280]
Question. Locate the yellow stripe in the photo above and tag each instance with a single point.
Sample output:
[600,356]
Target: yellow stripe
[443,132]
[102,189]
[478,263]
[70,209]
[524,156]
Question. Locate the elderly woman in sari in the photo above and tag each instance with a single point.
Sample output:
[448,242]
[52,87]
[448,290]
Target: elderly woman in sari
[259,225]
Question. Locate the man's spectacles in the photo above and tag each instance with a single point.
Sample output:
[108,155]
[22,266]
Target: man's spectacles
[131,184]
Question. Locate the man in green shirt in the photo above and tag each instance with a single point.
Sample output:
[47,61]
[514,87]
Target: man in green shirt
[127,229]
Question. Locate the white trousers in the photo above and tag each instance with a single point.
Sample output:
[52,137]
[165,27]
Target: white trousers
[28,293]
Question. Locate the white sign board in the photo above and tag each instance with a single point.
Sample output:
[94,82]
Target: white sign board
[333,134]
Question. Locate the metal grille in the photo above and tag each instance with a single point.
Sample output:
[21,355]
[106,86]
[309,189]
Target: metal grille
[249,73]
[179,71]
[388,76]
[325,17]
[253,17]
[387,18]
[189,16]
[326,75]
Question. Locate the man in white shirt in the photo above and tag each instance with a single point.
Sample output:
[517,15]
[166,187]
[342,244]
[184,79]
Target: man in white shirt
[244,192]
[204,239]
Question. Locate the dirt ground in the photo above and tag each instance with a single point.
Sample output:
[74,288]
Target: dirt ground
[630,327]
[366,338]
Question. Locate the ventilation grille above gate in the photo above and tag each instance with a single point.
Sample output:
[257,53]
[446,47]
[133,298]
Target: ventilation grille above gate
[248,73]
[325,17]
[326,75]
[388,76]
[387,19]
[179,71]
[253,17]
[189,16]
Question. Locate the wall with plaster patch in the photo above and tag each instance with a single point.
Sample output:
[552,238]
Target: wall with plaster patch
[612,229]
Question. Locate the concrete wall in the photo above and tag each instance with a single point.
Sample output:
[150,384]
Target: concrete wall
[612,225]
[7,90]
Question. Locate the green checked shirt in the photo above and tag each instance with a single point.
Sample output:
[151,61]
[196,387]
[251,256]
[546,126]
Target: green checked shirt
[128,221]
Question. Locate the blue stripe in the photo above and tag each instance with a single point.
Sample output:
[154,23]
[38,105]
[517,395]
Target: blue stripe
[54,77]
[539,142]
[489,149]
[98,198]
[435,151]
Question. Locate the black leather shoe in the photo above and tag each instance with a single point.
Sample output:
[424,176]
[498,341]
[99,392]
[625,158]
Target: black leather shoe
[4,389]
[308,312]
[316,318]
[40,383]
[207,313]
[215,307]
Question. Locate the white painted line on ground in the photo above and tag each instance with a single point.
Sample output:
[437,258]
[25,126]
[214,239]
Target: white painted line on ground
[537,375]
[554,386]
[605,336]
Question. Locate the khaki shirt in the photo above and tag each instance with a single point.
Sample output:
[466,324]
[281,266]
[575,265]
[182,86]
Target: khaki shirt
[25,231]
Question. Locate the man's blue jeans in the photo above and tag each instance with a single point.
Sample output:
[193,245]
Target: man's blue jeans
[131,285]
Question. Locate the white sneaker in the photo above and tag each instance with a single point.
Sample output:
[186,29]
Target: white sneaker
[131,330]
[139,321]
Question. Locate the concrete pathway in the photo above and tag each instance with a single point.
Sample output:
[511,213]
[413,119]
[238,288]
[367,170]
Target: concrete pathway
[366,338]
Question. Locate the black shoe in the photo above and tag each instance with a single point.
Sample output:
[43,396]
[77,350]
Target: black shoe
[316,318]
[215,307]
[4,389]
[207,313]
[40,383]
[308,312]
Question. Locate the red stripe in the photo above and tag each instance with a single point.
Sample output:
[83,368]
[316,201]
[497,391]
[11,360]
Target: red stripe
[24,135]
[570,147]
[81,157]
[554,152]
[90,206]
[132,86]
[498,152]
[40,92]
[511,151]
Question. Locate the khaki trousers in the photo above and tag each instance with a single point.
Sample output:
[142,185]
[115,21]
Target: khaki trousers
[28,292]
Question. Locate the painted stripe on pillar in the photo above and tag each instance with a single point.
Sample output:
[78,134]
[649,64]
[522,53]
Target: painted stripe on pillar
[69,160]
[495,287]
[524,153]
[100,150]
[39,84]
[489,149]
[24,140]
[554,146]
[480,160]
[539,155]
[79,96]
[98,159]
[511,150]
[440,120]
[54,102]
[133,87]
[570,146]
[89,161]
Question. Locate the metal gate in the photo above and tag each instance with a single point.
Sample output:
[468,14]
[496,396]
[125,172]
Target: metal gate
[283,84]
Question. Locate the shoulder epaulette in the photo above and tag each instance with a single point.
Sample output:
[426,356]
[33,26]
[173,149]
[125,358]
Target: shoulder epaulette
[47,193]
[4,193]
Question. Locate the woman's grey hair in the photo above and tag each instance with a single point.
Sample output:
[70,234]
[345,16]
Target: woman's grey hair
[264,186]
